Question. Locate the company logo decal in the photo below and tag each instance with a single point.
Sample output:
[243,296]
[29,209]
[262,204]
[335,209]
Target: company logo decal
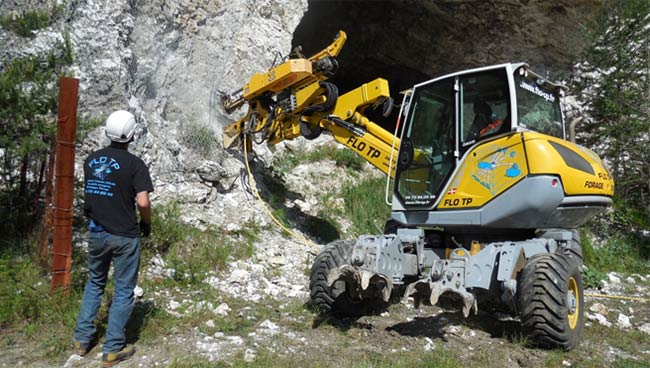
[485,173]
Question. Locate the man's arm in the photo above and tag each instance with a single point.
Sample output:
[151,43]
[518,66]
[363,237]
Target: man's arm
[144,206]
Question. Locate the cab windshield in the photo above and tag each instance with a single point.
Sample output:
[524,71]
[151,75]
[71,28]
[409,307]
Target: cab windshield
[538,105]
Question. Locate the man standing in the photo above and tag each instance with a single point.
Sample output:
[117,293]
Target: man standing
[115,181]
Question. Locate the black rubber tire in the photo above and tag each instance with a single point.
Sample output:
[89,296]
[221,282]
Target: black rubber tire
[391,226]
[334,255]
[543,301]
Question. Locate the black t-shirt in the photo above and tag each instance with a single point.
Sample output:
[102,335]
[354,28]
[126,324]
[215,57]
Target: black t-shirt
[113,177]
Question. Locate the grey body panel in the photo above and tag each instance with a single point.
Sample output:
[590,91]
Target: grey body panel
[532,203]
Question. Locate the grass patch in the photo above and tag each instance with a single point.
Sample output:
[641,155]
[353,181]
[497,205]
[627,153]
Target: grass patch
[592,278]
[27,307]
[194,252]
[341,156]
[626,248]
[266,358]
[364,205]
[620,253]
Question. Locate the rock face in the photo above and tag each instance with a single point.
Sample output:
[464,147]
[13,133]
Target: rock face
[167,62]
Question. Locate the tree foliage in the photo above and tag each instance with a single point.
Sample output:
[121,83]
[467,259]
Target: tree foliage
[29,20]
[614,79]
[28,104]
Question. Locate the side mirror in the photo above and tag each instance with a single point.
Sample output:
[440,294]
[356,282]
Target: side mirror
[387,107]
[406,153]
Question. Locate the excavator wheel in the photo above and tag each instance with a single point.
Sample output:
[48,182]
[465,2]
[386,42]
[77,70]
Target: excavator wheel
[550,299]
[335,299]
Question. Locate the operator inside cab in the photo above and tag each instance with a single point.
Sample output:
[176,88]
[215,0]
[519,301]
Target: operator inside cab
[485,121]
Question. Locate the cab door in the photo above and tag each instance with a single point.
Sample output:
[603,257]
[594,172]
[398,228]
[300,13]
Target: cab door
[428,145]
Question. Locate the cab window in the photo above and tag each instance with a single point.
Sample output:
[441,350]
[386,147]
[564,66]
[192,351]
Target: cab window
[538,106]
[485,109]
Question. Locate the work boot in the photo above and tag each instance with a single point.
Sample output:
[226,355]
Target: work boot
[110,359]
[80,348]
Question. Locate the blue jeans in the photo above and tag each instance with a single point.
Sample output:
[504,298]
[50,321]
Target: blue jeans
[125,254]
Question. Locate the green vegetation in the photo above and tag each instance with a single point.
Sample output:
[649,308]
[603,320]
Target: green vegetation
[86,124]
[614,79]
[27,308]
[200,138]
[31,20]
[363,201]
[193,252]
[342,156]
[266,358]
[28,103]
[26,305]
[619,107]
[365,206]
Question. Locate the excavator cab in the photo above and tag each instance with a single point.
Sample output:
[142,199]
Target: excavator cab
[476,143]
[448,115]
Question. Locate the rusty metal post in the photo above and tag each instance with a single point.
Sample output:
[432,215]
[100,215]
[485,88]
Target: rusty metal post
[66,137]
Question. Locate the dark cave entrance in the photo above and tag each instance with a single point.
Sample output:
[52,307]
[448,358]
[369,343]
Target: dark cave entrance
[369,52]
[410,41]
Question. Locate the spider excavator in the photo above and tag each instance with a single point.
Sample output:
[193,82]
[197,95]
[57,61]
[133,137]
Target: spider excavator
[487,193]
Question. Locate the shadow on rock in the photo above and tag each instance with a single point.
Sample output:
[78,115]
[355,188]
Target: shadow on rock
[277,195]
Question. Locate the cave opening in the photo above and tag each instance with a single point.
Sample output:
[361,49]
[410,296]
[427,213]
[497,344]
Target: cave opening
[370,51]
[410,41]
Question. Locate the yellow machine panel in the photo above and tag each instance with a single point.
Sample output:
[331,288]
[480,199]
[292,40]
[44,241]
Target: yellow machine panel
[581,171]
[487,170]
[275,80]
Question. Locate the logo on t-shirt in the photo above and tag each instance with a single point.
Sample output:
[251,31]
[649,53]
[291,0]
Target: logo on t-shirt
[103,166]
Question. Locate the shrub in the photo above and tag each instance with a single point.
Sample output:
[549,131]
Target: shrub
[31,20]
[200,138]
[365,206]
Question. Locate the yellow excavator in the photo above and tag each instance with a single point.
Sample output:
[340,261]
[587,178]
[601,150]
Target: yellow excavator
[487,193]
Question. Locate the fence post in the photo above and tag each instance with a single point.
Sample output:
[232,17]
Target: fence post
[66,137]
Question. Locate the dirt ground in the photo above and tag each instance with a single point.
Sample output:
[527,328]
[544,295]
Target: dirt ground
[291,335]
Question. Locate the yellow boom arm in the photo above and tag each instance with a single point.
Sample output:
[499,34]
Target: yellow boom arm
[294,99]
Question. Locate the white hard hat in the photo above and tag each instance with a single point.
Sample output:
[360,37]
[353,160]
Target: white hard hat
[120,126]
